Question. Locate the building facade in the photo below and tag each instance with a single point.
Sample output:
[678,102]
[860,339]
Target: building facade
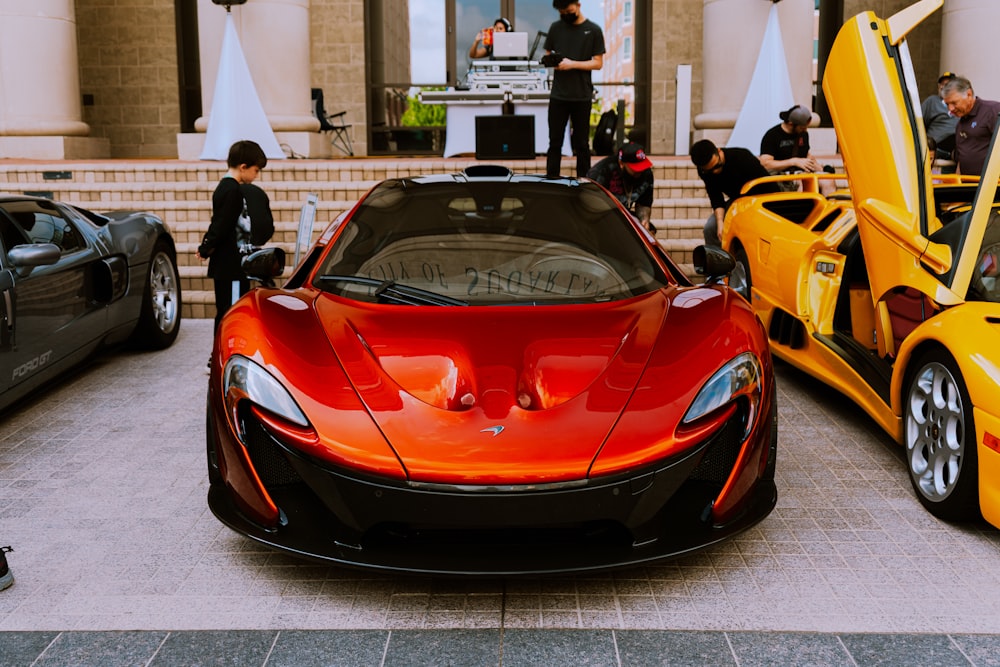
[134,78]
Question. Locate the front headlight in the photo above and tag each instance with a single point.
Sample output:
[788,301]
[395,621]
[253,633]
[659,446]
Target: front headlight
[740,376]
[245,379]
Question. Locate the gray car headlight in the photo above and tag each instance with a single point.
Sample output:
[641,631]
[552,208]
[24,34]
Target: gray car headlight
[740,376]
[245,379]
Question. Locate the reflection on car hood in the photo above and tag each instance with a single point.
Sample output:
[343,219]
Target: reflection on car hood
[486,392]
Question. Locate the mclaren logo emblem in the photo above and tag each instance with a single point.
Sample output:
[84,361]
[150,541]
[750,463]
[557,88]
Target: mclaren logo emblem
[495,430]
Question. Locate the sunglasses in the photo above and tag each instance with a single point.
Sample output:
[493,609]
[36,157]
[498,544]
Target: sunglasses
[716,168]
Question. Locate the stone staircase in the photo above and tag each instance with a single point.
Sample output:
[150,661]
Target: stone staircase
[180,192]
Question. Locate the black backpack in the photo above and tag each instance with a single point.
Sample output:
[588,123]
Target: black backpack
[604,135]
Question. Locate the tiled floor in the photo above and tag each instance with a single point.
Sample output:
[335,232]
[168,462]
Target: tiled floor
[102,496]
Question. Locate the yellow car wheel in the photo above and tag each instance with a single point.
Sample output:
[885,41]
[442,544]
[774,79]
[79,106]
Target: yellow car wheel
[939,436]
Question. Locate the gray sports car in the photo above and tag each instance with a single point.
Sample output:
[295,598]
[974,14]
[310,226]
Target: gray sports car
[73,281]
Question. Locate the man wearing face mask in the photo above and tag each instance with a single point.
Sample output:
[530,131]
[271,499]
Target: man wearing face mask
[574,47]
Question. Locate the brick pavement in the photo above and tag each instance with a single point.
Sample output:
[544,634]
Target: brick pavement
[102,496]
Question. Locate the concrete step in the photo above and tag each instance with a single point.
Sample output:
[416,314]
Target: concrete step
[181,194]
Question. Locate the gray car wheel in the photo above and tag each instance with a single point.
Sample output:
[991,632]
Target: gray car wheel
[739,277]
[940,439]
[160,316]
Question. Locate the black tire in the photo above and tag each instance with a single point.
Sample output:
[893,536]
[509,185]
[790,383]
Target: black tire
[939,437]
[160,315]
[740,279]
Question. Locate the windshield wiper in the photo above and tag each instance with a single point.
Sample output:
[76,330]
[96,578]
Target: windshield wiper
[397,292]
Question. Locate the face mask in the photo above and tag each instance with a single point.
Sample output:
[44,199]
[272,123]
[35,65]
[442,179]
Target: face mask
[568,18]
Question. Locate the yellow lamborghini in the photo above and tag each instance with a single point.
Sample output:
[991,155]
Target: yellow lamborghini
[889,292]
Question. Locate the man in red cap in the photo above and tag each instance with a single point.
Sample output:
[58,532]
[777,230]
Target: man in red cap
[628,175]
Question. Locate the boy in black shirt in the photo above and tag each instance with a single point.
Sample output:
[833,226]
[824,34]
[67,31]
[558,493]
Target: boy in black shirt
[575,47]
[219,245]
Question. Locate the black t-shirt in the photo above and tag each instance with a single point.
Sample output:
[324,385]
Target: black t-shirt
[629,190]
[782,146]
[741,166]
[576,42]
[219,242]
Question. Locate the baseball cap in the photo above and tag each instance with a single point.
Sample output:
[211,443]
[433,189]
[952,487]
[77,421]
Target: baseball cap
[946,76]
[633,155]
[797,115]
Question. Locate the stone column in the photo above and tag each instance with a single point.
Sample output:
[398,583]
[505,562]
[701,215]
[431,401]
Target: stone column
[274,35]
[968,28]
[40,106]
[732,35]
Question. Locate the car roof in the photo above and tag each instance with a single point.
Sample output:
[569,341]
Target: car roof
[487,173]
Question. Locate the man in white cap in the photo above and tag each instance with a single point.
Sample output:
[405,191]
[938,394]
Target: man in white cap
[628,175]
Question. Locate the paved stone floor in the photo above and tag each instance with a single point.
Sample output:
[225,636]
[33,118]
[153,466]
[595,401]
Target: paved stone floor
[118,560]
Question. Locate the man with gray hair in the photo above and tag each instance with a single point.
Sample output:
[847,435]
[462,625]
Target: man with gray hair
[976,119]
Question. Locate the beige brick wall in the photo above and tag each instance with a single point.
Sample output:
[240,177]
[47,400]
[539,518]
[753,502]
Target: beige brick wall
[338,61]
[677,28]
[128,63]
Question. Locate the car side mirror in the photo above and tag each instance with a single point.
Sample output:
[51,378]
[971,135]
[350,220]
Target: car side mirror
[264,265]
[26,257]
[713,263]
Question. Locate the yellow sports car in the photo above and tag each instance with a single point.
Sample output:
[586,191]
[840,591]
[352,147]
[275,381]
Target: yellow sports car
[889,292]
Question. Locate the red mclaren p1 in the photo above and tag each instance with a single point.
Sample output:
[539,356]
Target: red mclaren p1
[490,373]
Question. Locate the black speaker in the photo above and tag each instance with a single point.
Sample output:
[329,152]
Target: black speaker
[505,137]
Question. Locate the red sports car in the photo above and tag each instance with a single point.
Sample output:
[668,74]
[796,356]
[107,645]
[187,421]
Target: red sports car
[490,373]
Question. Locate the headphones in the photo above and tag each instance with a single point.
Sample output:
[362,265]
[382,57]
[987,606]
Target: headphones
[506,24]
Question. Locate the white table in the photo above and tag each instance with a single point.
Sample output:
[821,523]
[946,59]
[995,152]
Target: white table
[460,137]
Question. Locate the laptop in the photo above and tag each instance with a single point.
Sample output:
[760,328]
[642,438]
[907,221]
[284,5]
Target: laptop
[510,46]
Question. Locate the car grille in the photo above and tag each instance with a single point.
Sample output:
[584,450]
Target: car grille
[271,465]
[722,451]
[581,535]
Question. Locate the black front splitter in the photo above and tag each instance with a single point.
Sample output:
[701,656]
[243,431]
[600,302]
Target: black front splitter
[682,532]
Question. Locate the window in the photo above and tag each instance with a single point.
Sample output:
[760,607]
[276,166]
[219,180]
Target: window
[44,223]
[627,13]
[10,235]
[627,49]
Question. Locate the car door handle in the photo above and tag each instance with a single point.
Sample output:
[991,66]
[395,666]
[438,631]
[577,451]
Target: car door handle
[7,321]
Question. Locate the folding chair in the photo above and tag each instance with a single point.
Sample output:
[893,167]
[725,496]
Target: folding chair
[335,124]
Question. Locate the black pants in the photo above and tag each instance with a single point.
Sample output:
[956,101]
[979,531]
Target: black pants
[578,115]
[226,293]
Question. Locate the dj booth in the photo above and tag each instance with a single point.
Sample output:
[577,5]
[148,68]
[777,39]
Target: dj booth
[503,110]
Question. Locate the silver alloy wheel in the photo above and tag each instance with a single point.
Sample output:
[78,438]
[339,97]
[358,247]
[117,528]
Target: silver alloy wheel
[935,431]
[164,289]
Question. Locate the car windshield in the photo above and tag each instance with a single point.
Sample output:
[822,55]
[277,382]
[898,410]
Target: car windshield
[442,242]
[985,285]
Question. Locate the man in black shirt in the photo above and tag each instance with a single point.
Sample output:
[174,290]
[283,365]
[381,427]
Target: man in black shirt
[784,149]
[725,171]
[628,175]
[574,46]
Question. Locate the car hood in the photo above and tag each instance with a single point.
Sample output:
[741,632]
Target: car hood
[480,393]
